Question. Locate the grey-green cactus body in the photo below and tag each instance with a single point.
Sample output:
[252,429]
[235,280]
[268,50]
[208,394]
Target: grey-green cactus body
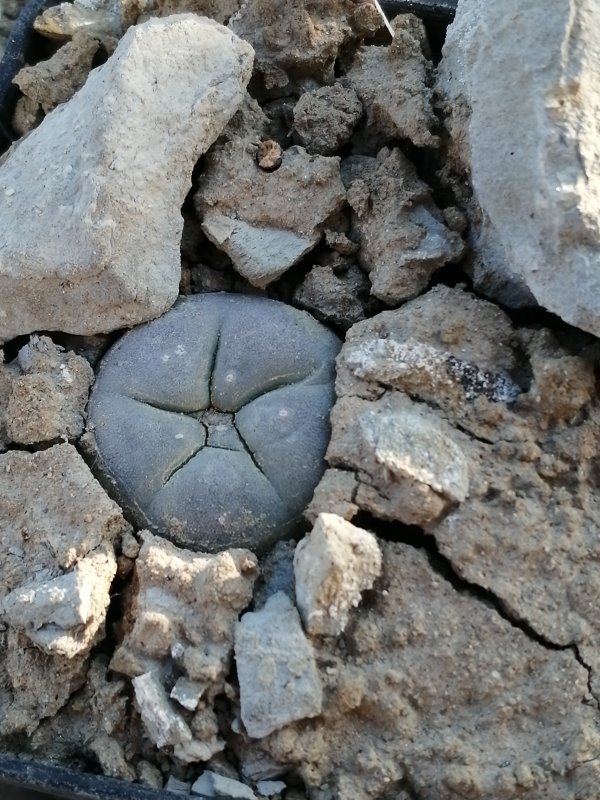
[212,422]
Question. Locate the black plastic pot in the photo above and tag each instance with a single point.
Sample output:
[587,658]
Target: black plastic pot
[31,777]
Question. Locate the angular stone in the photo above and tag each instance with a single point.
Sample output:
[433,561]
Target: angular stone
[532,151]
[333,564]
[276,668]
[241,210]
[295,40]
[394,86]
[336,293]
[104,222]
[180,621]
[402,234]
[211,784]
[48,395]
[408,463]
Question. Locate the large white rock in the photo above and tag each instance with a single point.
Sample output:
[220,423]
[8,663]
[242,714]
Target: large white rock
[279,681]
[523,80]
[90,212]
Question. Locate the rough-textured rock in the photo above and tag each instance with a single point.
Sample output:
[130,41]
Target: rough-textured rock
[48,393]
[394,86]
[276,669]
[54,81]
[408,463]
[213,421]
[180,620]
[56,567]
[295,39]
[531,151]
[242,213]
[210,784]
[436,694]
[104,226]
[333,564]
[403,238]
[106,20]
[325,118]
[336,293]
[270,788]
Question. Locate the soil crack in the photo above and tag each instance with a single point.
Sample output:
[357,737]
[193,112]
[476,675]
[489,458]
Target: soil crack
[416,537]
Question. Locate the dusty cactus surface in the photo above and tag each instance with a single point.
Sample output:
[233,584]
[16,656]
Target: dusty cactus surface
[299,414]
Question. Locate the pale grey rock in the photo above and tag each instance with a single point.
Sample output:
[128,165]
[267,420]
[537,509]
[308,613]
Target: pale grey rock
[408,462]
[524,89]
[211,784]
[104,221]
[163,724]
[180,621]
[57,563]
[188,693]
[176,786]
[276,668]
[402,234]
[333,564]
[242,213]
[48,393]
[61,616]
[270,788]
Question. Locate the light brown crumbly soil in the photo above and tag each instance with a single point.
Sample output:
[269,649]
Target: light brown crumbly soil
[465,439]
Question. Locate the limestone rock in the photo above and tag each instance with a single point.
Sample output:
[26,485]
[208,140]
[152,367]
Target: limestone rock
[532,151]
[403,238]
[241,210]
[57,565]
[445,347]
[180,620]
[333,564]
[409,464]
[325,118]
[105,225]
[48,394]
[164,725]
[443,698]
[210,784]
[276,668]
[394,85]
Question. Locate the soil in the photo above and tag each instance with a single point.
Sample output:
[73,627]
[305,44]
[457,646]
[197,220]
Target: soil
[464,441]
